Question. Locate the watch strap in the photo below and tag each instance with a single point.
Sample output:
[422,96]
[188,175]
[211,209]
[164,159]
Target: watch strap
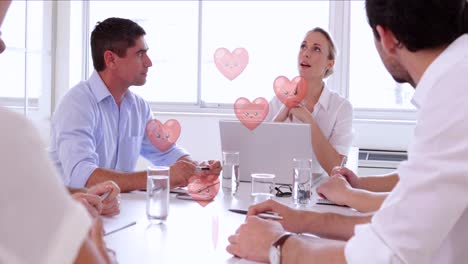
[281,239]
[278,244]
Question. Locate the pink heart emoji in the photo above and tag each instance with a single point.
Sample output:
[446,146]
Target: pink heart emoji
[203,189]
[163,136]
[251,115]
[230,64]
[290,93]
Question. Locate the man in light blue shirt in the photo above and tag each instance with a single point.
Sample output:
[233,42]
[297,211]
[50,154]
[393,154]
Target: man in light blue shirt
[98,129]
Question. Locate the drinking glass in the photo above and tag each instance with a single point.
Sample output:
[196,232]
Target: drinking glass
[157,194]
[302,187]
[262,186]
[230,173]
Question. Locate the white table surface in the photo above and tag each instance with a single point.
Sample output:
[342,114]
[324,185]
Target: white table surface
[192,233]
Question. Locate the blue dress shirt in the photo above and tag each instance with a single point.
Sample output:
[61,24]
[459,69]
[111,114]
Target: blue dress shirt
[89,131]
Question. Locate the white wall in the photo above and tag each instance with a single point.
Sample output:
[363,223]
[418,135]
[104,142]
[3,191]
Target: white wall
[383,135]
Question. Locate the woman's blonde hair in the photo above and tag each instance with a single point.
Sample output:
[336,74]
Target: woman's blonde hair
[331,47]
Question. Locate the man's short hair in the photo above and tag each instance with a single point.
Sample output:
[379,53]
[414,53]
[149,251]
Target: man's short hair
[419,24]
[114,34]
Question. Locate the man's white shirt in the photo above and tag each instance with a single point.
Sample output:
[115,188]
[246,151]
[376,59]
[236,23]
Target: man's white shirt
[425,218]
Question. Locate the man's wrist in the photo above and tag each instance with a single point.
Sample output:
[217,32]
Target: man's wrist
[353,197]
[72,190]
[289,248]
[276,248]
[314,222]
[356,183]
[186,157]
[303,226]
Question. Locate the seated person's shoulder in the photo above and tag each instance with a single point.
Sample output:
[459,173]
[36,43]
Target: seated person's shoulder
[77,100]
[18,125]
[339,101]
[79,93]
[139,101]
[13,119]
[138,98]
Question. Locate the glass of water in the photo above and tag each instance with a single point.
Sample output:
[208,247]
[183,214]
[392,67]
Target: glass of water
[230,172]
[157,194]
[302,188]
[262,186]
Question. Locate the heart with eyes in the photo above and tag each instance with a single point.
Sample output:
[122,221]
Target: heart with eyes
[203,188]
[230,64]
[251,114]
[163,136]
[290,93]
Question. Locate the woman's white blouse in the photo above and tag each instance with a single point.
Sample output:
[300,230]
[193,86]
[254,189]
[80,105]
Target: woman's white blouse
[334,116]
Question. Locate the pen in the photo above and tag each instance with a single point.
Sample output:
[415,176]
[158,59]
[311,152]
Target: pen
[202,168]
[343,161]
[121,228]
[207,187]
[323,201]
[264,215]
[184,196]
[104,196]
[178,190]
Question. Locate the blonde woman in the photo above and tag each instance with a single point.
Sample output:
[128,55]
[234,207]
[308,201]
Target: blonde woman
[329,114]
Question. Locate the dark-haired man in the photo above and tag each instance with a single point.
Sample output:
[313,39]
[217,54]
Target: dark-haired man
[424,219]
[98,130]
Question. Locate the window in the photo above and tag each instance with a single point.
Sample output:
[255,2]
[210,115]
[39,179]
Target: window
[370,85]
[272,44]
[26,63]
[172,37]
[184,35]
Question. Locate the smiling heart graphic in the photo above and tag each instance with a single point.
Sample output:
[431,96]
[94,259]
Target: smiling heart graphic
[163,136]
[202,188]
[251,115]
[230,64]
[290,93]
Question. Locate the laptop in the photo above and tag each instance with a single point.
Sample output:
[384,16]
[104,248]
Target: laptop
[270,148]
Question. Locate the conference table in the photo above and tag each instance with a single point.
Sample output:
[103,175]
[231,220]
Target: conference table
[192,233]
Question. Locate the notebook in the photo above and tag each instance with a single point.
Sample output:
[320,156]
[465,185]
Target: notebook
[270,148]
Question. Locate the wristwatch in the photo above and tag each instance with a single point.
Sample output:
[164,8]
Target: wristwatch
[275,248]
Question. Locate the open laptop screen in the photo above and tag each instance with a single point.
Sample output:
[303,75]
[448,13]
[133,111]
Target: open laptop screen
[270,148]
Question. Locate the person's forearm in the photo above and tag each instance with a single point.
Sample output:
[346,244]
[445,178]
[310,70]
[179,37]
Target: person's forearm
[72,190]
[186,158]
[330,225]
[89,254]
[325,153]
[365,201]
[126,181]
[300,250]
[281,115]
[279,118]
[383,183]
